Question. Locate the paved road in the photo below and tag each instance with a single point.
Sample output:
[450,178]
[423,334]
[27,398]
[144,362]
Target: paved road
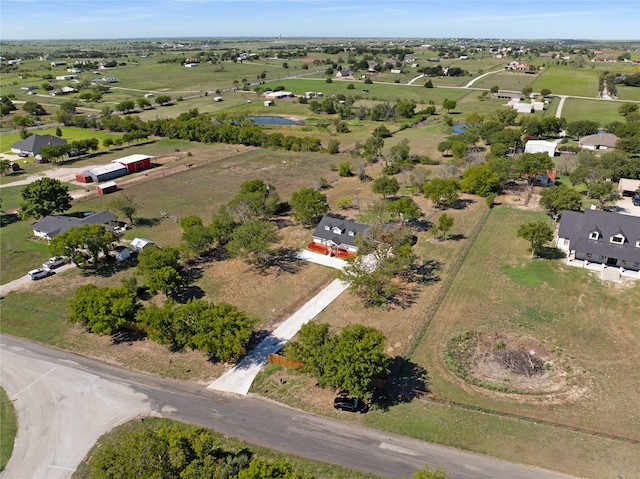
[65,402]
[25,280]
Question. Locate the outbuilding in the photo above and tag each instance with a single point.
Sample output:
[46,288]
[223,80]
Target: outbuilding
[599,141]
[106,188]
[107,172]
[540,146]
[122,253]
[84,178]
[138,244]
[135,163]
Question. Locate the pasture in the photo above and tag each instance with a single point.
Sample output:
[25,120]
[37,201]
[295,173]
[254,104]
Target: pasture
[565,81]
[602,112]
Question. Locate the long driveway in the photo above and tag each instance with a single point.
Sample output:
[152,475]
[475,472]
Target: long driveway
[239,378]
[65,402]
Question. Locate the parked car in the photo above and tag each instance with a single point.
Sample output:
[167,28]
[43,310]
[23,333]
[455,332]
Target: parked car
[53,263]
[356,405]
[636,200]
[39,273]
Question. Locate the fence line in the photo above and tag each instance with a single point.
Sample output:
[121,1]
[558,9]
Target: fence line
[510,414]
[283,361]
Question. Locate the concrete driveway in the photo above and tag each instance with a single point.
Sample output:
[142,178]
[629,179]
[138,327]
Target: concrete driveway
[239,378]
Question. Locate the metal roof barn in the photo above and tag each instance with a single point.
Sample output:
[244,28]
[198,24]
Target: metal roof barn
[107,172]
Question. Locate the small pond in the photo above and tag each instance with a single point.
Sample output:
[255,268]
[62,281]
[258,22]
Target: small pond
[271,120]
[460,128]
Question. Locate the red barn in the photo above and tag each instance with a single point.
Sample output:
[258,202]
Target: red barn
[83,178]
[107,187]
[135,163]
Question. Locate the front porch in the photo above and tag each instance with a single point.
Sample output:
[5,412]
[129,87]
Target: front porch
[334,251]
[606,271]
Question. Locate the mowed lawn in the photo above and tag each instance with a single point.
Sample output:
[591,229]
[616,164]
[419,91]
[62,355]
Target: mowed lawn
[602,112]
[565,81]
[586,321]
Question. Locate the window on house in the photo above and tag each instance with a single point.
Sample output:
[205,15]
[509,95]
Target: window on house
[589,255]
[594,235]
[638,244]
[352,233]
[327,227]
[619,239]
[566,242]
[337,230]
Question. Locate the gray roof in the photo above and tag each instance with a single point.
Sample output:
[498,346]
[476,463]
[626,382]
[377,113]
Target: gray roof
[600,139]
[340,232]
[34,143]
[578,226]
[54,225]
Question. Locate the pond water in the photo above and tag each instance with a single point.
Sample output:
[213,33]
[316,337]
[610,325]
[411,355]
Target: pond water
[271,120]
[460,128]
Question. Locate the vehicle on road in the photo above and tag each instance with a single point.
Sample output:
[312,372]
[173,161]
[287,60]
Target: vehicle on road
[39,273]
[53,263]
[356,405]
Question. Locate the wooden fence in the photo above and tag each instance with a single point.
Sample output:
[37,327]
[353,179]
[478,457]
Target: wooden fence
[282,361]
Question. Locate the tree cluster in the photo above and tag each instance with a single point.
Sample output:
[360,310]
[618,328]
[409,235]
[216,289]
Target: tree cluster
[43,197]
[57,153]
[349,360]
[384,254]
[81,243]
[180,452]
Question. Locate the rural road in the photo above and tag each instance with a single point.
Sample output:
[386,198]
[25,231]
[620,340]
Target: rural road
[64,402]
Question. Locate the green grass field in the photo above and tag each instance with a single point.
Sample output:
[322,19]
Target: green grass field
[602,112]
[565,81]
[8,428]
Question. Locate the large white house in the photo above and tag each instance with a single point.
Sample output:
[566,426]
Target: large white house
[601,238]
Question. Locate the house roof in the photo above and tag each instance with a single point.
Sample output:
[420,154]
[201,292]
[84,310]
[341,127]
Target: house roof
[338,231]
[34,143]
[108,168]
[54,225]
[578,226]
[601,139]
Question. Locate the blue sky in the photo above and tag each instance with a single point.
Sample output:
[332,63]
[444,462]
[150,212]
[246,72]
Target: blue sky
[535,19]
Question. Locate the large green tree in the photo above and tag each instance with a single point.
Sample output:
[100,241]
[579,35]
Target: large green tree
[103,310]
[530,165]
[252,241]
[160,268]
[126,205]
[556,199]
[383,254]
[480,180]
[349,360]
[307,205]
[43,197]
[605,192]
[385,186]
[405,209]
[83,242]
[256,199]
[443,192]
[538,233]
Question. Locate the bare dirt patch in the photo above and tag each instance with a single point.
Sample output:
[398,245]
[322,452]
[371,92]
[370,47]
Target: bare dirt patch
[512,364]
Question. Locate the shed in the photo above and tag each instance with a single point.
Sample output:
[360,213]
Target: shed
[134,163]
[106,188]
[107,172]
[83,178]
[122,253]
[540,146]
[268,103]
[138,244]
[217,98]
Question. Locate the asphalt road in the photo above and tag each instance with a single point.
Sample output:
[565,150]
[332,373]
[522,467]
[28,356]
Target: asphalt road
[65,402]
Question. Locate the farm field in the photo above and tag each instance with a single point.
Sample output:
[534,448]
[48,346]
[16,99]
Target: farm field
[499,293]
[546,301]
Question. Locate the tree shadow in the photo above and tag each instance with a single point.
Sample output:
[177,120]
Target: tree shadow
[462,203]
[405,377]
[8,219]
[284,260]
[147,222]
[188,292]
[457,237]
[108,267]
[551,252]
[422,226]
[423,273]
[127,336]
